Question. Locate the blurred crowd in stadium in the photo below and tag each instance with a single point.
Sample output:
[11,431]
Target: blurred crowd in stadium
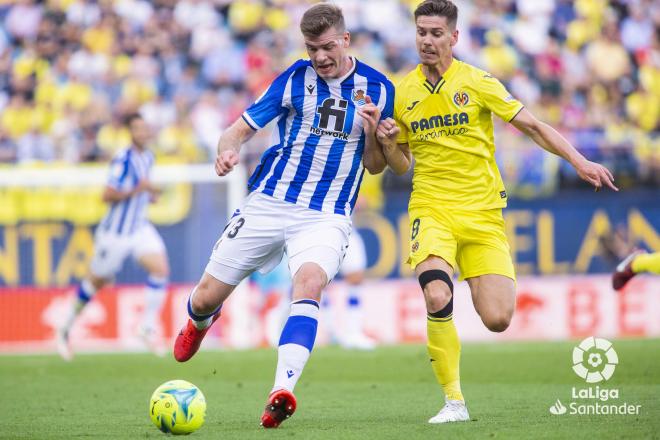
[70,70]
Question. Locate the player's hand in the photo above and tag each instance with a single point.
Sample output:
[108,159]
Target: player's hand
[387,133]
[225,162]
[370,115]
[154,192]
[152,189]
[143,185]
[595,174]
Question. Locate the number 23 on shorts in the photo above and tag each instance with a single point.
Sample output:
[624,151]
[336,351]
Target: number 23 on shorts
[234,226]
[233,232]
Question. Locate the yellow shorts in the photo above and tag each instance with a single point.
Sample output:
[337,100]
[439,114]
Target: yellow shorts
[473,242]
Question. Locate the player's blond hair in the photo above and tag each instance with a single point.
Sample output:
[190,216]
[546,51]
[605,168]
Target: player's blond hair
[321,17]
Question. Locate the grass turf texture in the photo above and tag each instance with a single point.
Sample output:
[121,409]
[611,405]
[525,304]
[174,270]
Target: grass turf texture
[385,394]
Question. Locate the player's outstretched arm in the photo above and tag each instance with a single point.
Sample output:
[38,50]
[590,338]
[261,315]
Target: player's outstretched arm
[113,195]
[229,146]
[550,140]
[397,156]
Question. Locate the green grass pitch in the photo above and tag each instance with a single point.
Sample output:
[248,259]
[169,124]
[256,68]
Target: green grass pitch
[385,394]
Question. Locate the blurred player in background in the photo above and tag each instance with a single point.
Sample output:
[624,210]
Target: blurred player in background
[351,333]
[126,231]
[444,110]
[275,290]
[638,262]
[301,195]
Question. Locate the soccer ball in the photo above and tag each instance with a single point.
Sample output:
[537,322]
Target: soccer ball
[177,407]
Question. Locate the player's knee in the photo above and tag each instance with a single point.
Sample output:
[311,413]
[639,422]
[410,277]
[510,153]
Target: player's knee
[98,282]
[161,272]
[497,322]
[438,290]
[309,281]
[156,265]
[438,300]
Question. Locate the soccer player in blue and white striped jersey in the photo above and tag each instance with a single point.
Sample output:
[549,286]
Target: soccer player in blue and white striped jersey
[326,110]
[126,231]
[317,148]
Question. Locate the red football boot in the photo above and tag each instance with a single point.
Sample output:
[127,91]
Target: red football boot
[281,405]
[623,272]
[189,339]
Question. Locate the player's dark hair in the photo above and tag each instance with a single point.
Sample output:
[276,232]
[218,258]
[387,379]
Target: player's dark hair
[321,17]
[438,8]
[128,119]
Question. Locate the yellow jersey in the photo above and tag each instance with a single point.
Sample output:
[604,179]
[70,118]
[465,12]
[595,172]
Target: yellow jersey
[449,128]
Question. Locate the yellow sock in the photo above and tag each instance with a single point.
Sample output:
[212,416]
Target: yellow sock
[445,351]
[646,263]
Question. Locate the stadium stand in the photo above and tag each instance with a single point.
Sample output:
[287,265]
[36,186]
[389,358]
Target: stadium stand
[70,70]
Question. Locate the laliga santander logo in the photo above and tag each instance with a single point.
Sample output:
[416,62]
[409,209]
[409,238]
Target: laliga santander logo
[594,359]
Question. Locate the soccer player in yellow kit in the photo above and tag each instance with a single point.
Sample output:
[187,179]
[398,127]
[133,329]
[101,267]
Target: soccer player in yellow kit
[443,111]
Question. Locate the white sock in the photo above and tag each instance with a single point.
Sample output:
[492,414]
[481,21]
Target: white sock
[84,294]
[296,343]
[155,294]
[291,360]
[353,312]
[201,325]
[328,315]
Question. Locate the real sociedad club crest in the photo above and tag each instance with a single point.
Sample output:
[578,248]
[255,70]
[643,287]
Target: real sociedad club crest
[358,97]
[461,98]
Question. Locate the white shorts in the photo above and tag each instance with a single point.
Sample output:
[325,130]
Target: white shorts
[110,250]
[356,256]
[257,237]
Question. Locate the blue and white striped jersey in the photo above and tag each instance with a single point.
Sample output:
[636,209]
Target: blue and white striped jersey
[127,168]
[315,157]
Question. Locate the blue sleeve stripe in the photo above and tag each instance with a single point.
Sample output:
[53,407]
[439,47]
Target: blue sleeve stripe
[248,120]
